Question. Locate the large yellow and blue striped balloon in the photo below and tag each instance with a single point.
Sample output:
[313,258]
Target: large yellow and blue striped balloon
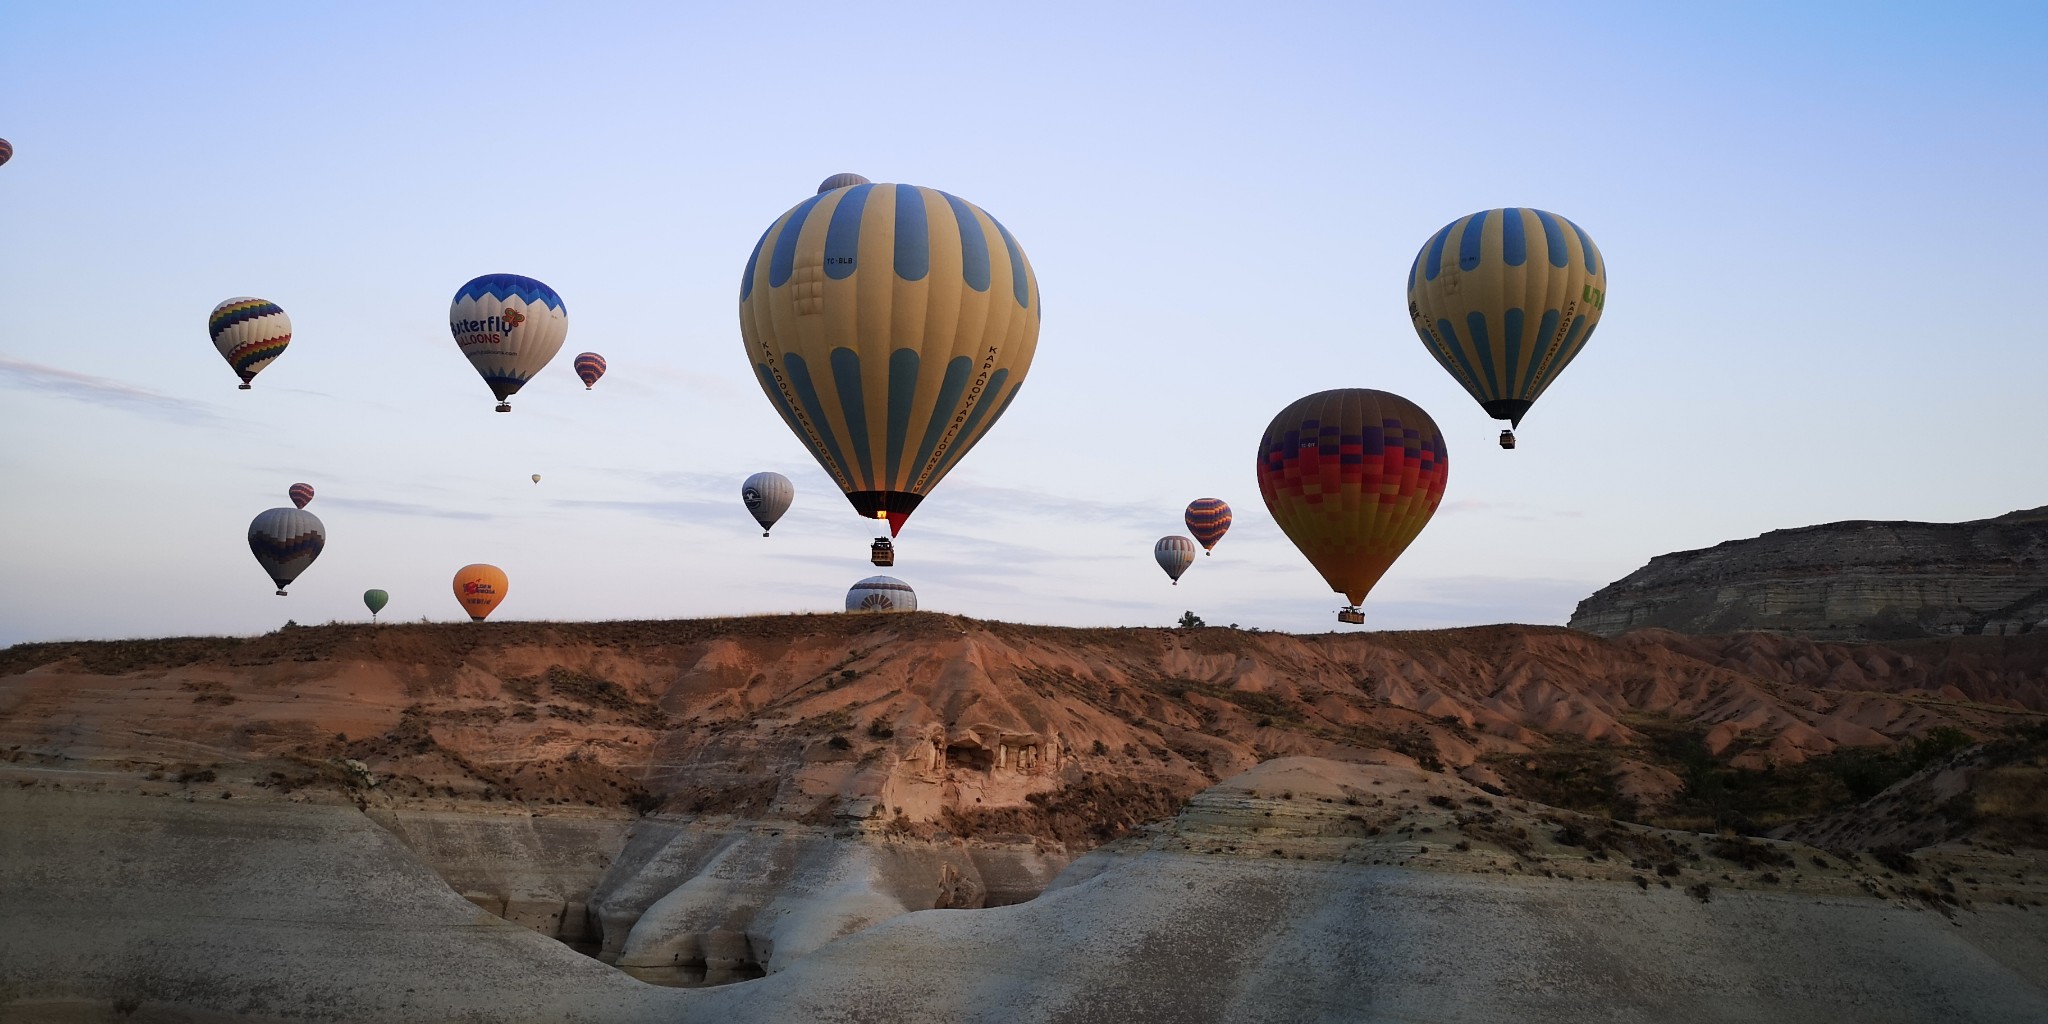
[890,325]
[1505,299]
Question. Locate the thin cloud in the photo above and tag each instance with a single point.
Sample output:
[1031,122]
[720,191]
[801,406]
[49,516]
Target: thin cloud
[403,508]
[100,391]
[666,511]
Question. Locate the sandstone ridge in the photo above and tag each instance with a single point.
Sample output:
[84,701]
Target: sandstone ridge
[1853,580]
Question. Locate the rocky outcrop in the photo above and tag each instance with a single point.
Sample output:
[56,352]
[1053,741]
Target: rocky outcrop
[1302,891]
[1843,581]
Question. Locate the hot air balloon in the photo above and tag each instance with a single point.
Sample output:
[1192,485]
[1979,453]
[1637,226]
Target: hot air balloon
[841,181]
[1352,476]
[767,496]
[1504,299]
[6,151]
[249,334]
[881,594]
[536,478]
[1208,519]
[300,494]
[375,600]
[1174,554]
[509,327]
[480,587]
[890,326]
[285,541]
[589,366]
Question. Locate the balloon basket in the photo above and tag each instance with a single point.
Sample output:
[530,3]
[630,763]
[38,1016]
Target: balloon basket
[882,552]
[504,407]
[282,594]
[1507,440]
[1352,616]
[241,387]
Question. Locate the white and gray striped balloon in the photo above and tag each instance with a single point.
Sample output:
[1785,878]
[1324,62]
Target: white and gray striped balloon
[1174,554]
[881,594]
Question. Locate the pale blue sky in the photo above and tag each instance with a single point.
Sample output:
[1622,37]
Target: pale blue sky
[1821,225]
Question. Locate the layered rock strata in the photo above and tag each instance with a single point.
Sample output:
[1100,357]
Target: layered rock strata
[1843,581]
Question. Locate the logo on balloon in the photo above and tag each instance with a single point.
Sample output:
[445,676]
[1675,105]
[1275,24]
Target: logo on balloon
[873,602]
[514,317]
[474,587]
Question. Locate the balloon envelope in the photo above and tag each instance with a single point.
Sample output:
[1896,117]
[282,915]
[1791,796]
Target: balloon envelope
[767,497]
[890,326]
[589,366]
[881,594]
[6,151]
[841,181]
[1352,476]
[285,541]
[480,587]
[249,334]
[300,494]
[1174,554]
[1208,519]
[509,326]
[1504,299]
[375,600]
[536,478]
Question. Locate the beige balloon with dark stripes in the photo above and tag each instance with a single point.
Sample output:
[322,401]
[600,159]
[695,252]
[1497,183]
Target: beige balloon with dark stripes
[890,326]
[1505,300]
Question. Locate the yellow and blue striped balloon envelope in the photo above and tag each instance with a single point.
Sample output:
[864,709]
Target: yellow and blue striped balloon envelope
[890,326]
[1505,299]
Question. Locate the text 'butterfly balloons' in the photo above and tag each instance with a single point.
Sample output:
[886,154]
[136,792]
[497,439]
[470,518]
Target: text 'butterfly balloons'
[509,326]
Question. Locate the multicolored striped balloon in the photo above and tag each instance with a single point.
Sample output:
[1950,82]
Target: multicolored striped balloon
[1174,554]
[509,326]
[285,541]
[300,494]
[1208,519]
[589,366]
[1352,476]
[249,334]
[1505,299]
[890,326]
[881,594]
[6,151]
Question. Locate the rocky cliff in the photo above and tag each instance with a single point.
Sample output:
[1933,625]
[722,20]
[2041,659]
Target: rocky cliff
[1843,581]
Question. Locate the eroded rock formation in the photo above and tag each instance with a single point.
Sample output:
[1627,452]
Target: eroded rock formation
[1843,581]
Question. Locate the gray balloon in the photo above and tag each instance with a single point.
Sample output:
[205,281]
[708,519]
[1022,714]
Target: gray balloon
[841,181]
[767,496]
[285,541]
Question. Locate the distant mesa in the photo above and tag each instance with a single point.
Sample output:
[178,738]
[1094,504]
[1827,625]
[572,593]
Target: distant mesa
[1856,580]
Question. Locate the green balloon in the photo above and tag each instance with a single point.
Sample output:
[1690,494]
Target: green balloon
[375,600]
